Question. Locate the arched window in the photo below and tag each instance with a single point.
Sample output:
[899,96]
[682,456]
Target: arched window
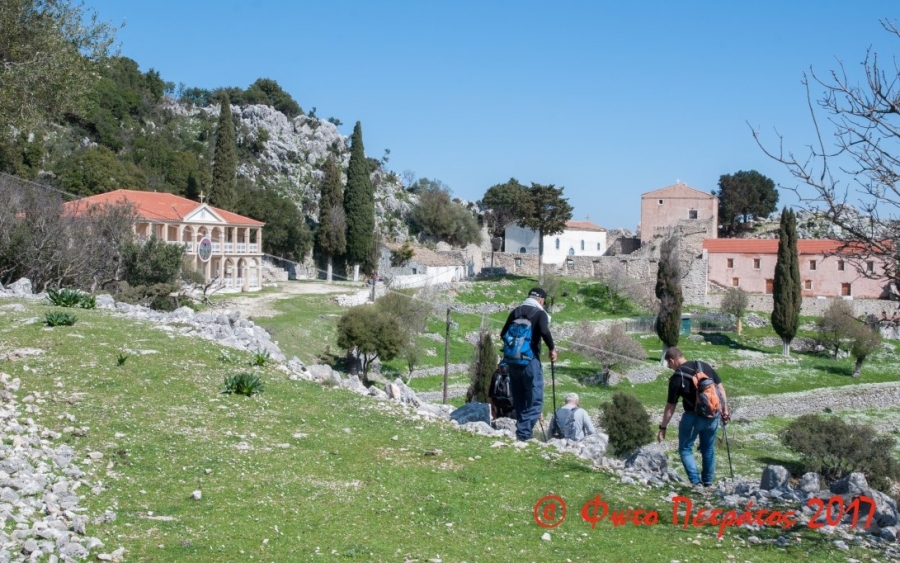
[557,244]
[523,250]
[571,252]
[582,245]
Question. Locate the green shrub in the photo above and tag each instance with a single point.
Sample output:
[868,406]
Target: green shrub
[58,318]
[121,359]
[834,449]
[158,296]
[627,423]
[243,384]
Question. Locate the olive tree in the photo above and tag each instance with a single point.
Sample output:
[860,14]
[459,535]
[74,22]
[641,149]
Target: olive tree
[735,303]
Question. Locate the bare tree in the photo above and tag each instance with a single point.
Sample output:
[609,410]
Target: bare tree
[611,347]
[861,156]
[55,245]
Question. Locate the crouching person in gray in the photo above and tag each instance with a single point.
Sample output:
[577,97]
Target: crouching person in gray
[570,421]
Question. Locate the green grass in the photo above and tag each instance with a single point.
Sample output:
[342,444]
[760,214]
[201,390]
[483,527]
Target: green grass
[305,473]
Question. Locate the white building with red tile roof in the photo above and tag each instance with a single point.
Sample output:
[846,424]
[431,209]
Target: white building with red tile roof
[222,245]
[580,238]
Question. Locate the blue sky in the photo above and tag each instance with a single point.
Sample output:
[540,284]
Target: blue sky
[609,100]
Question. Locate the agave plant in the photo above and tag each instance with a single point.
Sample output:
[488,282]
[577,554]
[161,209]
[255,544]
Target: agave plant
[67,297]
[87,301]
[58,318]
[64,297]
[121,358]
[260,358]
[243,384]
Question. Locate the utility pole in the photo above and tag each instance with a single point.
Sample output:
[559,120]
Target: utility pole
[447,356]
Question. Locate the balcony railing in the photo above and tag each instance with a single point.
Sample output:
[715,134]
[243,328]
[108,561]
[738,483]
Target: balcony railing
[219,248]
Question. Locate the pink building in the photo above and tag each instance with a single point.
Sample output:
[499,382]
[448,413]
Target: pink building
[677,205]
[750,265]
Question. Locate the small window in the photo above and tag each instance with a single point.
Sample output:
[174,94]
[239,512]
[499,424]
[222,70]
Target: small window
[518,261]
[571,252]
[812,264]
[757,263]
[660,202]
[598,246]
[735,282]
[807,284]
[692,214]
[840,265]
[582,245]
[557,244]
[870,266]
[845,290]
[415,271]
[729,263]
[523,250]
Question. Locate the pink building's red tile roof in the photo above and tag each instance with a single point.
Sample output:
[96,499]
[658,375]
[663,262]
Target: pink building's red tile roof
[156,206]
[768,246]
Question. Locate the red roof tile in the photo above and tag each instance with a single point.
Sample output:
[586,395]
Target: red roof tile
[584,226]
[768,246]
[157,206]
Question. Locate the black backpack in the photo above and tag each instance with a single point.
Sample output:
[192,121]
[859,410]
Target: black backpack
[501,394]
[564,423]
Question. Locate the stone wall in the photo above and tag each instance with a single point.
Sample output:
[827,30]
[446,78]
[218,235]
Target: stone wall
[641,265]
[812,306]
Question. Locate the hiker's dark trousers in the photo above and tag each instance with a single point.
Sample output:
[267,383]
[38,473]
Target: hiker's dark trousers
[527,386]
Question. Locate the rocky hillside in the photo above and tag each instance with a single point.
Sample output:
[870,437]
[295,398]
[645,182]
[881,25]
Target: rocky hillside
[292,154]
[811,225]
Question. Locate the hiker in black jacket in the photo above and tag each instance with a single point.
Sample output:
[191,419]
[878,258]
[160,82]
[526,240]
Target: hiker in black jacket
[527,381]
[692,426]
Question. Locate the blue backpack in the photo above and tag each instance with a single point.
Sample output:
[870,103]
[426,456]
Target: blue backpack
[517,343]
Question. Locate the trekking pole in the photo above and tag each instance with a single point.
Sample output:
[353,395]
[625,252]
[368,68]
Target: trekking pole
[541,422]
[553,380]
[727,447]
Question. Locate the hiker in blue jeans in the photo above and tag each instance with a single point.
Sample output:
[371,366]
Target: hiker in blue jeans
[692,426]
[527,381]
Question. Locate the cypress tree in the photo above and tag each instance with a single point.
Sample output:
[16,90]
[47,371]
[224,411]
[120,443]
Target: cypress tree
[222,191]
[786,286]
[359,204]
[331,237]
[484,363]
[668,291]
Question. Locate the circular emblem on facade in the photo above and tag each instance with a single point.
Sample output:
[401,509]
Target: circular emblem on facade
[204,249]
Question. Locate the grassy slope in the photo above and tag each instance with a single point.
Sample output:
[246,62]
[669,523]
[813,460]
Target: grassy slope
[302,470]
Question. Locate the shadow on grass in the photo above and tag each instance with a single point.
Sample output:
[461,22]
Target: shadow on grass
[725,339]
[794,467]
[835,370]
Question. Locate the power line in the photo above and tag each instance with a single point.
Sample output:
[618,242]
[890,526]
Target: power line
[493,322]
[23,181]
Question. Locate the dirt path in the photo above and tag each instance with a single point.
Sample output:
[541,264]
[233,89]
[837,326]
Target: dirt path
[262,305]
